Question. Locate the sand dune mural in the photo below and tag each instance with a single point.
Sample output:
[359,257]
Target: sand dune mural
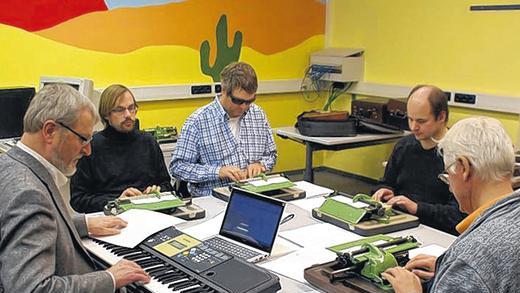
[141,42]
[269,26]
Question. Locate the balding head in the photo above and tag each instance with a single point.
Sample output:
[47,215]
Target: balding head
[434,96]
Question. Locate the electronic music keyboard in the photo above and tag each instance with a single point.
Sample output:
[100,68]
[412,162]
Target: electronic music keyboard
[199,269]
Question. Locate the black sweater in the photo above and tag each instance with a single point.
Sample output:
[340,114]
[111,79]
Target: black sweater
[412,171]
[118,161]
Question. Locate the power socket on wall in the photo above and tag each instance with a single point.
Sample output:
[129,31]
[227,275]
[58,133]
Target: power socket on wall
[465,98]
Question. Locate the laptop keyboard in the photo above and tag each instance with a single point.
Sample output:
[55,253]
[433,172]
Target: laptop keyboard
[230,248]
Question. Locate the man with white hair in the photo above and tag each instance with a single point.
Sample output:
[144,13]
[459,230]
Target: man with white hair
[479,159]
[41,250]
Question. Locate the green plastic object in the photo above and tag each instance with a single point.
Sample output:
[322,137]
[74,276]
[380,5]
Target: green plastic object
[162,132]
[225,54]
[375,260]
[380,212]
[378,261]
[265,188]
[342,211]
[121,205]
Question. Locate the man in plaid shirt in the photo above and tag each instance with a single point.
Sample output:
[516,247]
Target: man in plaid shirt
[227,140]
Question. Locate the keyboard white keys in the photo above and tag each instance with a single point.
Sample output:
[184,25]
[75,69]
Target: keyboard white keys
[155,285]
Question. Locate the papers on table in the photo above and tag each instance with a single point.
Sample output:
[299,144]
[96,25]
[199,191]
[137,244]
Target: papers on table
[293,264]
[141,224]
[312,190]
[153,199]
[319,235]
[349,201]
[432,249]
[308,203]
[274,180]
[205,229]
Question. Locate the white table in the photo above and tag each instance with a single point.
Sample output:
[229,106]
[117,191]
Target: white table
[304,218]
[332,143]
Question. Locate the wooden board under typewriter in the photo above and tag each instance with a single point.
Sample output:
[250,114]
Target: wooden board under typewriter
[315,276]
[399,221]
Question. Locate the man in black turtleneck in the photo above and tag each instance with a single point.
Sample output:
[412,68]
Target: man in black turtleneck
[124,161]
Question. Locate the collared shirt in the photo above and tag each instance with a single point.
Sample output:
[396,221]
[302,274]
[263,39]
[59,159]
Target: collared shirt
[206,144]
[464,224]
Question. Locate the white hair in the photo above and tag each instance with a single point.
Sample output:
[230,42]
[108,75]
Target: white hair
[58,102]
[485,143]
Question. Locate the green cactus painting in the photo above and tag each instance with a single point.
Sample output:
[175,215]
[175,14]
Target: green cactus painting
[225,54]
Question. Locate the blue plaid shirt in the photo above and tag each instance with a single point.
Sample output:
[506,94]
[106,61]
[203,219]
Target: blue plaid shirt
[206,144]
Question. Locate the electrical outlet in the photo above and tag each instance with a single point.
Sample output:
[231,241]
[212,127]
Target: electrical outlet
[200,89]
[218,88]
[465,98]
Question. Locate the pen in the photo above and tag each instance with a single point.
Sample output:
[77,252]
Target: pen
[287,219]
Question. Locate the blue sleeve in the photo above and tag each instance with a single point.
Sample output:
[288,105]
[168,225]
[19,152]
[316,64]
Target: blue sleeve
[185,164]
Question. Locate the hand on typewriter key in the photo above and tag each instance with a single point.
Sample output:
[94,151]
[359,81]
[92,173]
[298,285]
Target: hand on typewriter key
[402,281]
[383,194]
[126,272]
[422,265]
[231,172]
[152,189]
[130,191]
[104,226]
[255,169]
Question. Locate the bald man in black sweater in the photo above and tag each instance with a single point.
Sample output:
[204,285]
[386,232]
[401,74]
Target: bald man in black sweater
[410,182]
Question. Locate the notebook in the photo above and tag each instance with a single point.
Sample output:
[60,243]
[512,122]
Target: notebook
[250,225]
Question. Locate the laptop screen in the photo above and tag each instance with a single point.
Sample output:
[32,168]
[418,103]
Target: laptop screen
[252,219]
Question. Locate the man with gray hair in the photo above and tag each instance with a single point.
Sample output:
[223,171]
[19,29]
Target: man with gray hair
[479,160]
[39,235]
[227,140]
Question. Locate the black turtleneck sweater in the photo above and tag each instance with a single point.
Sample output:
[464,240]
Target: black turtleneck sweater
[412,171]
[118,161]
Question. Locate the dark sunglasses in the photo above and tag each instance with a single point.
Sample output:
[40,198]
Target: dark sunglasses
[84,140]
[239,102]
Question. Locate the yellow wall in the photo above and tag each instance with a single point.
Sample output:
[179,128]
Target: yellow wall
[440,42]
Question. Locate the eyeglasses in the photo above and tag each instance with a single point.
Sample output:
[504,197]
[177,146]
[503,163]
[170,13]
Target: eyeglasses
[444,177]
[238,101]
[84,141]
[132,109]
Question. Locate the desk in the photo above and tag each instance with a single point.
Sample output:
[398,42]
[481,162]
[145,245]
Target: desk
[332,144]
[301,210]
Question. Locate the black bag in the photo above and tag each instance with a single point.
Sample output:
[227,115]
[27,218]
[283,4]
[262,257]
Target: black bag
[326,124]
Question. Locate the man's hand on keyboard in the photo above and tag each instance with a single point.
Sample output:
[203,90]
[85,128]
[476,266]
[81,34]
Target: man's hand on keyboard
[126,272]
[104,226]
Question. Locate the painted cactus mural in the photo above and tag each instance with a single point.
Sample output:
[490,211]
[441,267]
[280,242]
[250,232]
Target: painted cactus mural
[224,54]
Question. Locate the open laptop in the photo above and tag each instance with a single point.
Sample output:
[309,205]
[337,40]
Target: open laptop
[249,227]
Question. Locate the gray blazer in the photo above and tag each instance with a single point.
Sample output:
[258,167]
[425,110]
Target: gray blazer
[40,246]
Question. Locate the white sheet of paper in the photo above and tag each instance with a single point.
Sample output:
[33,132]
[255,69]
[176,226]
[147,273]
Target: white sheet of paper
[153,199]
[141,224]
[349,201]
[308,203]
[312,190]
[319,235]
[432,249]
[269,181]
[293,264]
[205,229]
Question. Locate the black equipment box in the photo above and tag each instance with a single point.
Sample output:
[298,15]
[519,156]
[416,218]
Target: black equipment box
[329,124]
[397,113]
[374,109]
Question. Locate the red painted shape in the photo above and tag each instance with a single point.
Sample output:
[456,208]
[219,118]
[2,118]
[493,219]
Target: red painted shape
[34,15]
